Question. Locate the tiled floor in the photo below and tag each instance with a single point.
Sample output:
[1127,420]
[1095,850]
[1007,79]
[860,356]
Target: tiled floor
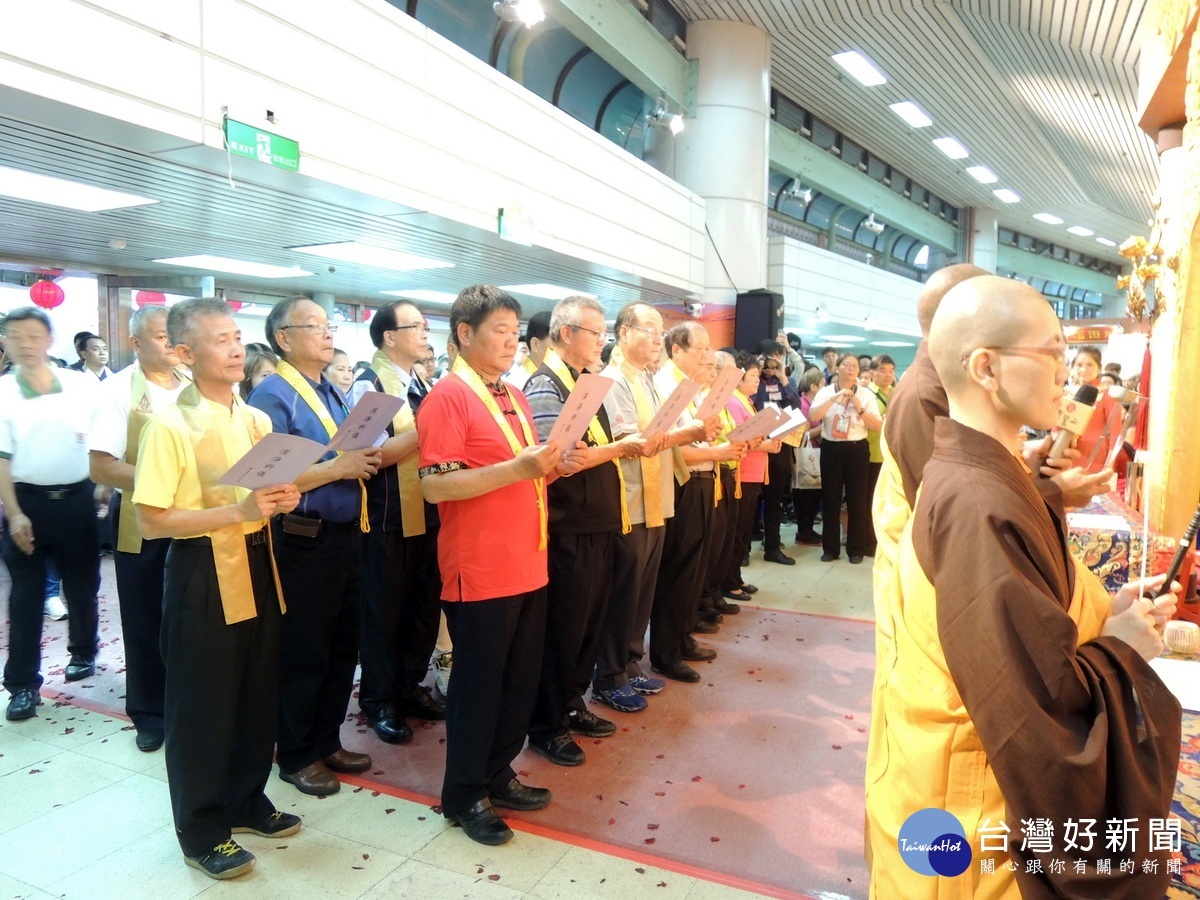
[84,814]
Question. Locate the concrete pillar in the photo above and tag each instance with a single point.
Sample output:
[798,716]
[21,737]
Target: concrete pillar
[984,239]
[722,153]
[325,300]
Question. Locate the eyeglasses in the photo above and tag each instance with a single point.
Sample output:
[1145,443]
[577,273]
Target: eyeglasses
[316,329]
[1058,354]
[649,332]
[424,326]
[601,336]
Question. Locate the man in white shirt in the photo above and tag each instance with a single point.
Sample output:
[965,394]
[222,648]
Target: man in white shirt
[93,355]
[127,401]
[45,415]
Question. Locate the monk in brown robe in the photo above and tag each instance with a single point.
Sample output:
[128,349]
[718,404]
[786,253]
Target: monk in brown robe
[1015,689]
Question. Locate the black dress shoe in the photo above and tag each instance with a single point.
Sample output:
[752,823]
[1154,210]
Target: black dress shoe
[587,723]
[23,705]
[703,627]
[724,607]
[712,614]
[745,560]
[515,795]
[80,667]
[422,705]
[808,538]
[149,739]
[315,780]
[677,671]
[778,556]
[347,761]
[828,557]
[560,749]
[855,559]
[481,824]
[390,728]
[698,653]
[749,588]
[737,595]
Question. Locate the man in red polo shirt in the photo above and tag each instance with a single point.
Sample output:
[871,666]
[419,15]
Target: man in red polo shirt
[480,461]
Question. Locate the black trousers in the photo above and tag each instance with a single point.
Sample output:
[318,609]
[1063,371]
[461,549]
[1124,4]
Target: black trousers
[581,573]
[497,663]
[64,530]
[401,591]
[681,571]
[636,558]
[724,532]
[844,470]
[140,593]
[743,528]
[318,640]
[779,478]
[220,696]
[807,503]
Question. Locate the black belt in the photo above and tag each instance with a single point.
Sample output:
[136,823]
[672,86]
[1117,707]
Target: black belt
[253,539]
[706,473]
[53,491]
[318,526]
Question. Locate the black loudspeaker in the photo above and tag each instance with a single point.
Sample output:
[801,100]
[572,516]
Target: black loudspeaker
[759,317]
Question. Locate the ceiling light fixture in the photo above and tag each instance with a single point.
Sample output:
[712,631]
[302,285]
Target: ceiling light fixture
[373,255]
[797,194]
[892,344]
[662,117]
[234,266]
[1048,218]
[951,148]
[1007,196]
[860,68]
[1106,242]
[1081,231]
[524,12]
[545,291]
[912,114]
[31,186]
[423,295]
[873,226]
[983,174]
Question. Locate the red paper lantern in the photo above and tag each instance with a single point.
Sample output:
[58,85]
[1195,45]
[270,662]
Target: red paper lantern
[235,305]
[46,294]
[150,298]
[367,313]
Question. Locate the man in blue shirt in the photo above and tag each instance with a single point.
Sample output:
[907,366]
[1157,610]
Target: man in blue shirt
[319,551]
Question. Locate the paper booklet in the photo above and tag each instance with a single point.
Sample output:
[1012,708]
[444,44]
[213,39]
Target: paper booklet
[581,407]
[759,425]
[668,414]
[719,394]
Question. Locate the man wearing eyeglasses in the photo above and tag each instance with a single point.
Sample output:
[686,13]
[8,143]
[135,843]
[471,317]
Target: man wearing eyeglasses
[319,550]
[401,583]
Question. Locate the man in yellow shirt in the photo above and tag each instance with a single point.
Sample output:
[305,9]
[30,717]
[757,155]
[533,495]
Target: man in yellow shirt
[221,600]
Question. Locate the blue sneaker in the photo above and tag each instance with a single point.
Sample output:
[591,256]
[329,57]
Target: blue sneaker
[644,684]
[622,699]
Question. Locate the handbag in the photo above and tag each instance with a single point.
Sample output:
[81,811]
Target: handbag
[806,469]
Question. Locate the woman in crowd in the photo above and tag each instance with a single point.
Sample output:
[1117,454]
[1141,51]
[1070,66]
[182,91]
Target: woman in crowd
[260,363]
[1086,370]
[845,413]
[340,371]
[807,501]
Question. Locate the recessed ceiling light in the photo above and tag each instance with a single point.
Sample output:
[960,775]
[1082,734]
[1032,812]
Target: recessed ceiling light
[834,338]
[1048,219]
[544,291]
[424,296]
[912,114]
[59,192]
[373,255]
[860,68]
[1081,231]
[234,266]
[1007,196]
[983,174]
[892,344]
[1106,242]
[951,148]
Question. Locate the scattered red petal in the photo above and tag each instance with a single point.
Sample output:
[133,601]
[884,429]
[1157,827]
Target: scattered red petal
[697,778]
[375,793]
[612,821]
[849,715]
[622,802]
[390,810]
[741,787]
[599,796]
[479,871]
[660,793]
[377,772]
[766,637]
[662,884]
[714,839]
[493,878]
[626,728]
[660,756]
[523,774]
[652,827]
[837,746]
[640,870]
[420,818]
[366,856]
[648,841]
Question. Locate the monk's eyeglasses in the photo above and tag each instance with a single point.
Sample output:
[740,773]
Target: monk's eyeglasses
[1058,354]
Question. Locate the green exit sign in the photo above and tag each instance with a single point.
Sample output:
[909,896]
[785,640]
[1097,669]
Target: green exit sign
[246,140]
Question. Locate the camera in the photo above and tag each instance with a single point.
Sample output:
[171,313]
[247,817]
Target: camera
[694,308]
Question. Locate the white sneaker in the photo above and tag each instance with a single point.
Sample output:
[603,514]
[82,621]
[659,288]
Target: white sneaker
[55,609]
[442,665]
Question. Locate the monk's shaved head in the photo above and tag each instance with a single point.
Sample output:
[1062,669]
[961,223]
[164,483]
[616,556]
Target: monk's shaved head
[984,311]
[939,283]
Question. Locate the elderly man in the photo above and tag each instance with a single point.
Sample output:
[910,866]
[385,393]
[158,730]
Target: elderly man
[221,600]
[688,535]
[128,400]
[587,513]
[482,464]
[319,551]
[401,584]
[45,415]
[1015,689]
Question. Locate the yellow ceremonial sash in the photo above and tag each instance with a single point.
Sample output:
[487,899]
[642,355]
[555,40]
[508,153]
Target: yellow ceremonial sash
[682,474]
[228,542]
[595,430]
[651,465]
[727,425]
[129,535]
[299,383]
[475,382]
[412,504]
